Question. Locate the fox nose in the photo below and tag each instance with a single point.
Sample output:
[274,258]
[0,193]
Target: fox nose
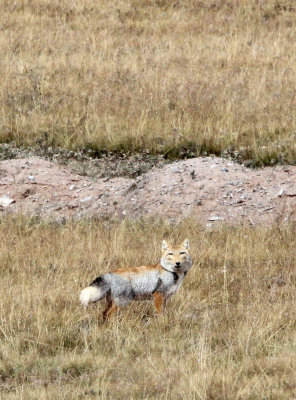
[178,264]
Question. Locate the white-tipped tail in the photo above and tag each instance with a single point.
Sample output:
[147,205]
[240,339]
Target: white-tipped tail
[90,294]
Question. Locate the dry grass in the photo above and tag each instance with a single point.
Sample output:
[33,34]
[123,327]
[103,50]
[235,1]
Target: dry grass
[229,333]
[175,77]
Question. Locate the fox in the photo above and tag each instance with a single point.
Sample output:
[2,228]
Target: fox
[158,282]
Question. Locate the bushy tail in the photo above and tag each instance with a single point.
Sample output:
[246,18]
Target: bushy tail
[95,292]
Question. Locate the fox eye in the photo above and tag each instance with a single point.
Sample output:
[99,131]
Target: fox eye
[170,254]
[182,252]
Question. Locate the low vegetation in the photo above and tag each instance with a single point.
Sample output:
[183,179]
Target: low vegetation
[178,78]
[229,333]
[166,79]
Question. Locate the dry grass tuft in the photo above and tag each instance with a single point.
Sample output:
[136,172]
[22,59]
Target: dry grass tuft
[175,77]
[229,333]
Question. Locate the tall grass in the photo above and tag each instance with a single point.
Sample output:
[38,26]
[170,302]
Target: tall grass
[174,77]
[229,333]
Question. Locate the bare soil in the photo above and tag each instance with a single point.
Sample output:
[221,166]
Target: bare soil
[212,189]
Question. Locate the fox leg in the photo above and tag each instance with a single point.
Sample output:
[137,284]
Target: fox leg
[159,302]
[110,309]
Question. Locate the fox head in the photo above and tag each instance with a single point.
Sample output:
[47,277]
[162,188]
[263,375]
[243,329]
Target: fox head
[176,258]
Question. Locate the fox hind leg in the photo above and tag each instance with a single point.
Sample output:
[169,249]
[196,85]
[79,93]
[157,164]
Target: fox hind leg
[159,301]
[110,309]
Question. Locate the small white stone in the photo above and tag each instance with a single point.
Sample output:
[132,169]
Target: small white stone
[216,219]
[86,199]
[175,170]
[6,201]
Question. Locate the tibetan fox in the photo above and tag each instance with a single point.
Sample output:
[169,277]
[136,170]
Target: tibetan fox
[158,281]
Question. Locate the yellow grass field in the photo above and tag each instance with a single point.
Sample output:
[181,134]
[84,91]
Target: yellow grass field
[172,76]
[178,78]
[229,333]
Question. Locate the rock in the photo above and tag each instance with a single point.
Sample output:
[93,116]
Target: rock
[268,209]
[5,201]
[72,187]
[216,219]
[27,193]
[32,179]
[86,199]
[175,170]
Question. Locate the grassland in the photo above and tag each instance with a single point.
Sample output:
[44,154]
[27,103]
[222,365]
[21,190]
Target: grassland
[229,333]
[175,78]
[179,78]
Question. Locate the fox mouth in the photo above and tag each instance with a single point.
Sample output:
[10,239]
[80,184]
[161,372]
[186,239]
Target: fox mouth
[178,266]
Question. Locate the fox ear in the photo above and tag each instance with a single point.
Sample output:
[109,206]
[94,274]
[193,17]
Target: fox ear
[164,245]
[186,244]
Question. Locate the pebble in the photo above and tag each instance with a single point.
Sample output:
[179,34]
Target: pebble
[86,199]
[5,201]
[175,170]
[216,219]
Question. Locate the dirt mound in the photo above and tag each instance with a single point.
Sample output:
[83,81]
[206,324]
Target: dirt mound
[212,189]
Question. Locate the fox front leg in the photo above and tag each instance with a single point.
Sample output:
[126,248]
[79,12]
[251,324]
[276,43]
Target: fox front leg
[159,301]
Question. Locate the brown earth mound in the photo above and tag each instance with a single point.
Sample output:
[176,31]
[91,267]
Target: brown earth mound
[211,189]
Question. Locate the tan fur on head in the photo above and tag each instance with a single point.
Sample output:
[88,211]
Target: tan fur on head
[165,244]
[176,257]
